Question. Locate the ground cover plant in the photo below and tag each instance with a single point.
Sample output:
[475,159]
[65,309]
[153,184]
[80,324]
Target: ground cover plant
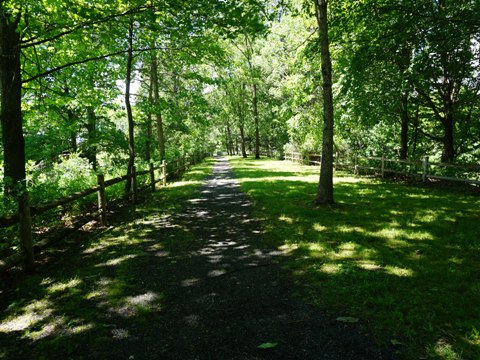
[85,294]
[401,259]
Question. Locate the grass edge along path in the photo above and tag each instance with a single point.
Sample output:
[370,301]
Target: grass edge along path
[85,293]
[401,259]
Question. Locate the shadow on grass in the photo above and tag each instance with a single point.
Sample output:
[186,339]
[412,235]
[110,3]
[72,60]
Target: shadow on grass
[90,297]
[403,259]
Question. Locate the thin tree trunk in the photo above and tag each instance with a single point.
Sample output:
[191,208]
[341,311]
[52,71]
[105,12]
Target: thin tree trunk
[158,113]
[73,133]
[404,120]
[229,140]
[242,142]
[325,185]
[255,117]
[148,144]
[131,140]
[92,141]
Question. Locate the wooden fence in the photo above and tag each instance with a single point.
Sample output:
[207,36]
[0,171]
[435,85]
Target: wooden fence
[24,217]
[423,169]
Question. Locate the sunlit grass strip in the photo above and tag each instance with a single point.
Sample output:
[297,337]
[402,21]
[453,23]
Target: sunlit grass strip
[402,258]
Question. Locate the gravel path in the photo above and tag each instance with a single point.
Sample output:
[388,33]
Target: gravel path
[231,296]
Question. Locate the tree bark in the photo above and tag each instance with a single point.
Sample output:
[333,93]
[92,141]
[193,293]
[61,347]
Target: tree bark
[148,143]
[158,113]
[92,137]
[242,141]
[11,97]
[448,153]
[255,118]
[131,140]
[404,120]
[325,185]
[12,129]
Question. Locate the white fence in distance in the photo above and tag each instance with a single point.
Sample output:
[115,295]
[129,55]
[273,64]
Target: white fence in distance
[423,169]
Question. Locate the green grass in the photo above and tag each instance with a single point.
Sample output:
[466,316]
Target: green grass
[92,287]
[403,259]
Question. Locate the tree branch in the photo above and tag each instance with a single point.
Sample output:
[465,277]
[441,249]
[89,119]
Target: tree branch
[431,104]
[32,42]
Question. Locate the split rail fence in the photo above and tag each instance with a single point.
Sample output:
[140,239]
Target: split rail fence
[24,219]
[423,169]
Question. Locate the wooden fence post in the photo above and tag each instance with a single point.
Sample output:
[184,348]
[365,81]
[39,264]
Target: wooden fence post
[425,169]
[102,203]
[25,231]
[152,177]
[134,184]
[164,172]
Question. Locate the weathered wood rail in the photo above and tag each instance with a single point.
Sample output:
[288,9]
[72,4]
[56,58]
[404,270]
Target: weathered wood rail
[423,169]
[177,166]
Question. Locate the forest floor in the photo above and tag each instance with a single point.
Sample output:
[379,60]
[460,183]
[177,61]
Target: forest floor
[185,275]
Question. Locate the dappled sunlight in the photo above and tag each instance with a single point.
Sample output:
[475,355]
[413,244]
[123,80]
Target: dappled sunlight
[349,229]
[397,271]
[383,245]
[31,314]
[178,184]
[331,269]
[318,227]
[132,306]
[117,261]
[368,265]
[286,219]
[62,286]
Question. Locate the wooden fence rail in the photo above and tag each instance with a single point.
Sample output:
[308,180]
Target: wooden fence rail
[25,221]
[417,168]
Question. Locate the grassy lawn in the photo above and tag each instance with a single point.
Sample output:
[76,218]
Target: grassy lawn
[402,259]
[81,302]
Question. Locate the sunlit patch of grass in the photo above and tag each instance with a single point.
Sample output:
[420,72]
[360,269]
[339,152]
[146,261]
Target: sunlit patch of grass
[403,258]
[27,316]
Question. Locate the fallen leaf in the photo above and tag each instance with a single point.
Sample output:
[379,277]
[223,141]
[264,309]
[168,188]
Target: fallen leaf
[347,319]
[267,345]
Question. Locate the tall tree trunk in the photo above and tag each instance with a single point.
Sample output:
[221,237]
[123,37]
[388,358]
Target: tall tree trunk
[448,153]
[92,137]
[158,113]
[255,118]
[404,120]
[12,128]
[148,143]
[325,185]
[242,140]
[131,140]
[229,139]
[73,132]
[11,97]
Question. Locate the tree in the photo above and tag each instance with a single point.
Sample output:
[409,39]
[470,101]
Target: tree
[325,186]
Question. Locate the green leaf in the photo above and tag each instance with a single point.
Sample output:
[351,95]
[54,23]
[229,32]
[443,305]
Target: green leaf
[267,345]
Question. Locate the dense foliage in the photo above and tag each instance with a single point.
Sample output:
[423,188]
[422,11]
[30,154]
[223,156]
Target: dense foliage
[240,77]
